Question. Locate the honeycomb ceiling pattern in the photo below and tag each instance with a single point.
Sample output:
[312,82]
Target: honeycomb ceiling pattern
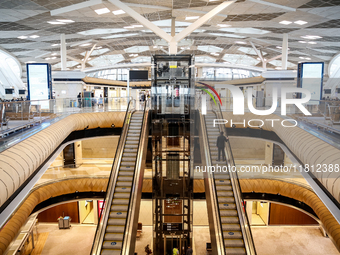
[247,22]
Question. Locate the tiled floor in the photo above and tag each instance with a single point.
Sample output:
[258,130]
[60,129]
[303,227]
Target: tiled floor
[283,240]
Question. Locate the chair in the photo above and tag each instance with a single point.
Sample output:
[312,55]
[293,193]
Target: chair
[139,229]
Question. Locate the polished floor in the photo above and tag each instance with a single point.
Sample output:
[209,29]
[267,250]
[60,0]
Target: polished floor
[278,240]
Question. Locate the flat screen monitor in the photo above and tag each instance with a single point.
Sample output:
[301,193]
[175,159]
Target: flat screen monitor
[39,83]
[139,75]
[22,91]
[328,91]
[310,77]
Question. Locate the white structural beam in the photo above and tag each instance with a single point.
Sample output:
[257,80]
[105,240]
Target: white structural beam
[274,58]
[274,5]
[63,52]
[88,54]
[75,7]
[44,54]
[74,59]
[161,33]
[198,23]
[148,6]
[257,51]
[284,51]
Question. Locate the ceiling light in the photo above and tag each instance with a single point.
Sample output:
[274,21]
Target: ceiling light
[56,22]
[301,57]
[191,17]
[56,44]
[285,22]
[47,58]
[129,27]
[89,58]
[278,68]
[34,36]
[102,11]
[53,57]
[278,47]
[22,37]
[223,25]
[31,61]
[54,54]
[85,44]
[300,22]
[155,46]
[65,20]
[308,58]
[302,42]
[240,42]
[99,47]
[118,12]
[311,37]
[312,42]
[137,25]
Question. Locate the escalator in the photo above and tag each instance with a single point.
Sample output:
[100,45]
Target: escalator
[123,195]
[231,233]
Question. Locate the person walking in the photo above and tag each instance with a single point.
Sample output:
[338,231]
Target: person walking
[148,250]
[79,100]
[221,140]
[175,251]
[189,251]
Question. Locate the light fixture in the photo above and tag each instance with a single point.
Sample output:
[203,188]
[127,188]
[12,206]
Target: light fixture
[54,54]
[56,44]
[312,42]
[47,58]
[191,17]
[85,44]
[302,42]
[22,37]
[118,12]
[155,46]
[223,25]
[308,58]
[240,42]
[137,25]
[89,58]
[53,57]
[311,37]
[102,11]
[278,47]
[278,68]
[98,48]
[302,57]
[56,22]
[31,61]
[34,36]
[129,27]
[300,22]
[65,20]
[285,22]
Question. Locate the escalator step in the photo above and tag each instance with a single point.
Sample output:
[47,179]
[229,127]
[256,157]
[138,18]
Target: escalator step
[232,235]
[119,208]
[126,173]
[233,243]
[120,201]
[113,237]
[123,184]
[116,222]
[227,206]
[112,245]
[130,146]
[228,212]
[127,154]
[129,159]
[123,189]
[227,186]
[225,194]
[121,195]
[226,199]
[124,178]
[110,252]
[231,227]
[235,251]
[118,215]
[127,163]
[115,229]
[126,168]
[226,220]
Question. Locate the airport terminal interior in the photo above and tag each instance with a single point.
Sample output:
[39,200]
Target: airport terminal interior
[169,127]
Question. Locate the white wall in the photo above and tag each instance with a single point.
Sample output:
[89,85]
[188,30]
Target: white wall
[67,90]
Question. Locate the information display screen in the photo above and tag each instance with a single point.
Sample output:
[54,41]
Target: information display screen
[310,77]
[39,83]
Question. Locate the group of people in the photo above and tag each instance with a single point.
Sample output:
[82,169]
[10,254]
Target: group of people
[12,100]
[175,251]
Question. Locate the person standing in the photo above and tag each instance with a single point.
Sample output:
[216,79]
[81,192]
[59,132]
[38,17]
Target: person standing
[189,251]
[79,100]
[221,140]
[175,251]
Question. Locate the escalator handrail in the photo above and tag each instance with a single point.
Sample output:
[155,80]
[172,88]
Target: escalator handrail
[244,221]
[218,229]
[100,231]
[128,229]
